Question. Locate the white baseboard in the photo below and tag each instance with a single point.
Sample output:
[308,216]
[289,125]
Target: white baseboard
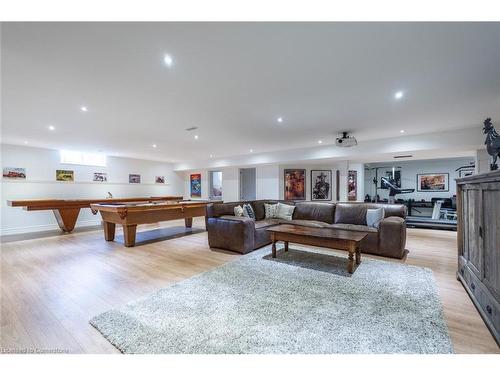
[45,227]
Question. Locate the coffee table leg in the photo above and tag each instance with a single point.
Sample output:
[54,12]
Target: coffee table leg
[358,255]
[274,249]
[286,245]
[352,252]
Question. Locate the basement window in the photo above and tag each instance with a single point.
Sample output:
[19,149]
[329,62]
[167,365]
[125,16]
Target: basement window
[83,158]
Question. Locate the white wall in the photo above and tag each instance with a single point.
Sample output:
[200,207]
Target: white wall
[41,165]
[409,172]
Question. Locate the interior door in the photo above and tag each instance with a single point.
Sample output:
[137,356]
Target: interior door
[491,236]
[474,231]
[247,184]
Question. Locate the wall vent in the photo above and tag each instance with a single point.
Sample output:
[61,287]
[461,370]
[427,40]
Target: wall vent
[191,128]
[402,156]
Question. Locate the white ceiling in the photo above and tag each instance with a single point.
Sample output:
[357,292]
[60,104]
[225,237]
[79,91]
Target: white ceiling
[232,80]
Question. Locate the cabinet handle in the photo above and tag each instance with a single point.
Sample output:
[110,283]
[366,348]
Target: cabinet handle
[473,286]
[481,232]
[488,308]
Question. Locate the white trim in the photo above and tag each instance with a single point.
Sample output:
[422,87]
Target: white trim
[45,227]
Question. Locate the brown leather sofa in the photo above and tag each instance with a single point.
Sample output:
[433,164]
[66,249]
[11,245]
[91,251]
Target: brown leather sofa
[241,234]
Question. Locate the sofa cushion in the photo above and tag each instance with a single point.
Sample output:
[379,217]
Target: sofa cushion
[374,216]
[258,208]
[350,213]
[354,227]
[267,223]
[306,223]
[248,211]
[285,211]
[271,210]
[314,211]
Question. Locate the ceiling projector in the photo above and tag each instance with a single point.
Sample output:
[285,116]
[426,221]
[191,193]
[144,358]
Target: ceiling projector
[346,141]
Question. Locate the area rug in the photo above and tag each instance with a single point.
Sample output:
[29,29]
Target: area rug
[300,302]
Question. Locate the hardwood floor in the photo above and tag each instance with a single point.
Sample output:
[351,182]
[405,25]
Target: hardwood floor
[51,286]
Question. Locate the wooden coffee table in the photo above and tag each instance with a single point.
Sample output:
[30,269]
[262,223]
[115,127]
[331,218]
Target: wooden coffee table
[321,237]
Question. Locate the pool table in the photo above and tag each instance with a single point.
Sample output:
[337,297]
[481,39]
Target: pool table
[129,215]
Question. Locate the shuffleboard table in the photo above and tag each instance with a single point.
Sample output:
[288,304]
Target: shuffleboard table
[129,215]
[66,211]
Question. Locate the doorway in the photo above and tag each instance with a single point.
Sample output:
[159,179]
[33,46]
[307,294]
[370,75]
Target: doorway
[247,184]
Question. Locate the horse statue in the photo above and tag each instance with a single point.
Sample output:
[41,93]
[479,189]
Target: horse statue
[492,143]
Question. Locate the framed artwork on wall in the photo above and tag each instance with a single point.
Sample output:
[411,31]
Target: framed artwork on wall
[160,179]
[14,173]
[100,177]
[433,182]
[295,184]
[352,186]
[321,185]
[195,185]
[65,175]
[134,178]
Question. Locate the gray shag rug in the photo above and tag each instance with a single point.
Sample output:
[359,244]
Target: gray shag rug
[300,302]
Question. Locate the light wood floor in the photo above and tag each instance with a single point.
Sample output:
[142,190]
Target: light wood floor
[51,286]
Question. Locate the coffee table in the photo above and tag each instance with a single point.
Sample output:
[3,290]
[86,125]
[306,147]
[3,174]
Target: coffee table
[321,237]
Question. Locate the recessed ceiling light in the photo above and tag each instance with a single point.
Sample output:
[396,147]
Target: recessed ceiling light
[52,127]
[279,119]
[211,156]
[196,136]
[83,108]
[251,150]
[320,141]
[154,145]
[25,142]
[402,131]
[399,95]
[167,59]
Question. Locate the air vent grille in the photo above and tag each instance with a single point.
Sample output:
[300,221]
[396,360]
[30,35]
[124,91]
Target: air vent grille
[402,156]
[191,128]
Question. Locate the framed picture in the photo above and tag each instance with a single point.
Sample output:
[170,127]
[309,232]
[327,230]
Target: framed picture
[14,173]
[321,185]
[389,176]
[195,183]
[433,182]
[160,179]
[134,178]
[352,186]
[65,175]
[100,177]
[295,184]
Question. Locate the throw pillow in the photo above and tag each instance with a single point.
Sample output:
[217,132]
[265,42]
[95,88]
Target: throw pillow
[271,210]
[238,211]
[248,211]
[374,216]
[284,211]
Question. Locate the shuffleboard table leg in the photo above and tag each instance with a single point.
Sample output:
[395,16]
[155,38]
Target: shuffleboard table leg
[189,222]
[129,234]
[66,218]
[109,230]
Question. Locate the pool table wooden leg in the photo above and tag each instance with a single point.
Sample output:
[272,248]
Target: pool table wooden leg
[109,230]
[129,234]
[189,222]
[66,218]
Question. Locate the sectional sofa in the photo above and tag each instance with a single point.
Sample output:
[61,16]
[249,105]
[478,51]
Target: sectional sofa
[242,234]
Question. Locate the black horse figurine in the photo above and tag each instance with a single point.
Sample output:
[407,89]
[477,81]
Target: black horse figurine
[492,143]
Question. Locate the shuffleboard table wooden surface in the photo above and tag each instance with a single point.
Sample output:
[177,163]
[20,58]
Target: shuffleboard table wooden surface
[66,211]
[129,215]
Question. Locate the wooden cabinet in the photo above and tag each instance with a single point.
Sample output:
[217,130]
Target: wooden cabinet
[478,200]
